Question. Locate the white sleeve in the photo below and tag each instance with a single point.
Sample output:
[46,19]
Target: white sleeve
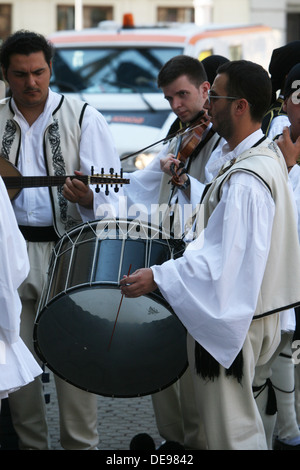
[277,125]
[144,187]
[97,150]
[14,268]
[214,287]
[294,178]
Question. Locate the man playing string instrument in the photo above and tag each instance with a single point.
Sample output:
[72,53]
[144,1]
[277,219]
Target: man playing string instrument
[44,133]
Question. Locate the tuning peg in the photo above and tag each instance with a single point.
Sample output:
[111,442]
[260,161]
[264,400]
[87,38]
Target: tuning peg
[116,188]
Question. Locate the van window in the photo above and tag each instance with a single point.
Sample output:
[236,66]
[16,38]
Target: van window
[235,52]
[109,70]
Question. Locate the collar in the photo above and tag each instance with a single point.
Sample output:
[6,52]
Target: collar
[226,154]
[53,100]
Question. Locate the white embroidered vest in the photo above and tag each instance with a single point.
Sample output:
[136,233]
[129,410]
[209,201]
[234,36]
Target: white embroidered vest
[61,152]
[280,287]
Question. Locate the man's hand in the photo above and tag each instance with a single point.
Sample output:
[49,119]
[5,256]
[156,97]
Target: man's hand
[139,283]
[167,162]
[290,150]
[173,167]
[77,192]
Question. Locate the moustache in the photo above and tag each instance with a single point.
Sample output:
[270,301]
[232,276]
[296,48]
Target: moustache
[30,90]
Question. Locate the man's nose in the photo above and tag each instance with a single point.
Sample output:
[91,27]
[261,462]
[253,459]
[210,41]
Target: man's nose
[177,103]
[30,80]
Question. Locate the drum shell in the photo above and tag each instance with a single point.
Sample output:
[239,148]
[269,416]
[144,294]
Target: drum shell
[76,333]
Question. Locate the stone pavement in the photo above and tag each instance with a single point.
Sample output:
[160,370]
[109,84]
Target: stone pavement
[120,419]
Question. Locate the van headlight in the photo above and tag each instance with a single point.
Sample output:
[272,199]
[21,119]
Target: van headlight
[137,162]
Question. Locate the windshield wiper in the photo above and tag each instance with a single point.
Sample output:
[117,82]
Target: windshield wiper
[132,88]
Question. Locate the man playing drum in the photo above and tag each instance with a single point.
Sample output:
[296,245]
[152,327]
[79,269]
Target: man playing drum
[233,289]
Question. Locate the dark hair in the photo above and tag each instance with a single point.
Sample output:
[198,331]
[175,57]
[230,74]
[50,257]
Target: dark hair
[290,85]
[25,42]
[211,65]
[182,65]
[250,81]
[282,60]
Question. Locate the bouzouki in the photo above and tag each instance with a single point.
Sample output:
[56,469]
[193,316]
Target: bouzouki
[15,182]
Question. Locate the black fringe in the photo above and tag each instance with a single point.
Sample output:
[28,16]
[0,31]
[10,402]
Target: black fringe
[208,368]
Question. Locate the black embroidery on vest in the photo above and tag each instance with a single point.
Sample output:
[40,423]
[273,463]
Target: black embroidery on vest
[8,138]
[60,170]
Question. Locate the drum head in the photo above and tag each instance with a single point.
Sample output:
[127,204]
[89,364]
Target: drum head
[77,336]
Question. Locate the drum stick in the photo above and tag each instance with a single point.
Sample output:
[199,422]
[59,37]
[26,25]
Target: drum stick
[118,313]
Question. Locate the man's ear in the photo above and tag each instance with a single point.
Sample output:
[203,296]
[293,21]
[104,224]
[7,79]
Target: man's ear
[284,106]
[205,86]
[241,105]
[4,74]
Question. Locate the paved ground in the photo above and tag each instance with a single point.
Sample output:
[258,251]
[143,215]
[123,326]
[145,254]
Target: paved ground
[119,420]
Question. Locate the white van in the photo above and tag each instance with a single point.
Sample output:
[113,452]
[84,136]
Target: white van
[115,70]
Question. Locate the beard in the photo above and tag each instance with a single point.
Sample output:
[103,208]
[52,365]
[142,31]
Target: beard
[223,124]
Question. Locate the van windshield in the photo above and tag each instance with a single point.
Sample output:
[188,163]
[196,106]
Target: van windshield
[109,70]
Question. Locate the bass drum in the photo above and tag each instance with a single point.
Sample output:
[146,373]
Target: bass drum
[91,336]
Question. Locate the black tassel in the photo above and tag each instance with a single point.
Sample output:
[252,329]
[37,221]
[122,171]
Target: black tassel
[271,407]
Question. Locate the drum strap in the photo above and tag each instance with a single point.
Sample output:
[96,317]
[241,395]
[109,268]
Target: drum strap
[39,234]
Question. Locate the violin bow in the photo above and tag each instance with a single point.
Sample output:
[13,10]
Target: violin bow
[187,128]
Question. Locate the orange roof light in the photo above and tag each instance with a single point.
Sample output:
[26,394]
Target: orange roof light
[128,21]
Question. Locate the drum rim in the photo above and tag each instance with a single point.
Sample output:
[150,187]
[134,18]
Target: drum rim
[90,223]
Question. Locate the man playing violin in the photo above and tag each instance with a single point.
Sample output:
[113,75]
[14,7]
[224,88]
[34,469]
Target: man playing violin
[184,83]
[233,289]
[44,133]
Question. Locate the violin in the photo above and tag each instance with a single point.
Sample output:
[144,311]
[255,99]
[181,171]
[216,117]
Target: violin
[190,139]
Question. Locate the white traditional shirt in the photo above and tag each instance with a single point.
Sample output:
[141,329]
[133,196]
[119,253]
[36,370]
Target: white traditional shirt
[32,206]
[17,365]
[214,287]
[277,124]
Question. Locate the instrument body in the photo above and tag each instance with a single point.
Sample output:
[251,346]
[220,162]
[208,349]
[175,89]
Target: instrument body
[79,305]
[190,139]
